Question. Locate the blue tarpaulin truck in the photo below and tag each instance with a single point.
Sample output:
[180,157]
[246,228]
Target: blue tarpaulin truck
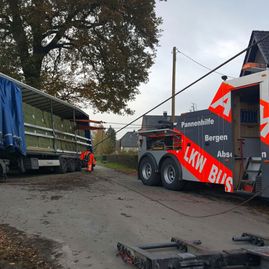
[38,130]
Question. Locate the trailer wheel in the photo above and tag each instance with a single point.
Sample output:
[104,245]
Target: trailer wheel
[78,165]
[147,172]
[71,167]
[62,169]
[2,174]
[171,175]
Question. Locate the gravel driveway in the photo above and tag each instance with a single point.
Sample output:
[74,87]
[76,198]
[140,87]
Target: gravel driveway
[87,214]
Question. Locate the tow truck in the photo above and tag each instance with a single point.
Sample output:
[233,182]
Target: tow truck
[226,144]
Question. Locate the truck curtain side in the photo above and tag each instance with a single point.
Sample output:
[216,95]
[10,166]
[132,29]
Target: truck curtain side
[227,144]
[38,130]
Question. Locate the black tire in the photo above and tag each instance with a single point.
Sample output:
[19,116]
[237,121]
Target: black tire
[71,166]
[78,165]
[171,175]
[62,169]
[3,177]
[147,172]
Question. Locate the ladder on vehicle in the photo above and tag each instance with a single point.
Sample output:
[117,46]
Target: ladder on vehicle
[251,172]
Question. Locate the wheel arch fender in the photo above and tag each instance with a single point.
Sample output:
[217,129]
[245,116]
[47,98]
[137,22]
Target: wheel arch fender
[149,155]
[174,158]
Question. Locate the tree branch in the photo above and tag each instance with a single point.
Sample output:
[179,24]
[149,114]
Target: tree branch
[69,22]
[17,30]
[64,45]
[4,26]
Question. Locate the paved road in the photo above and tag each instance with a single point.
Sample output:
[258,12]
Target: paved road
[89,213]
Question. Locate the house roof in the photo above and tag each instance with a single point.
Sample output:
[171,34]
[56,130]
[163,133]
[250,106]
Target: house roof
[259,53]
[129,140]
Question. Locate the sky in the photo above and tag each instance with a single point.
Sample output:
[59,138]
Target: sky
[209,31]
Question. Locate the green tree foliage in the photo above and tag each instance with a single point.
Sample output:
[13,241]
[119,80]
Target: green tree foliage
[111,140]
[104,142]
[99,147]
[96,51]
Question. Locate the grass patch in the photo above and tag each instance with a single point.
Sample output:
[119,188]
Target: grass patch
[118,167]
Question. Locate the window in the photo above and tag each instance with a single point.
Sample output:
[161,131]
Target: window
[249,116]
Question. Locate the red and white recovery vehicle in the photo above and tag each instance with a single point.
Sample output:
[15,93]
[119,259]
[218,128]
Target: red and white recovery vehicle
[227,144]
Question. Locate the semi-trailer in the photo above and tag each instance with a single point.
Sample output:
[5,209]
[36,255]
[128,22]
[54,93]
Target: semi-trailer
[38,130]
[226,144]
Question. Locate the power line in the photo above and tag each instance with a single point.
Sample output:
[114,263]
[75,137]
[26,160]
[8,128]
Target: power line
[133,125]
[188,86]
[206,67]
[130,126]
[119,123]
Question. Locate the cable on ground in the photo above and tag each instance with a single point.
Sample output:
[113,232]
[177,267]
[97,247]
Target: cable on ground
[189,215]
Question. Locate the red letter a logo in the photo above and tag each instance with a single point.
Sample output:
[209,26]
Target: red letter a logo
[221,104]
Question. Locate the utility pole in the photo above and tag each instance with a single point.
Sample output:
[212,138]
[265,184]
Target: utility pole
[173,119]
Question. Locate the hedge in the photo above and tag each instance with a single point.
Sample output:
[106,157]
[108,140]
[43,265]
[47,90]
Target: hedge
[130,161]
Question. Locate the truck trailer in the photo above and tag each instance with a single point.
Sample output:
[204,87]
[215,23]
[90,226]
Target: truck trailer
[226,144]
[38,130]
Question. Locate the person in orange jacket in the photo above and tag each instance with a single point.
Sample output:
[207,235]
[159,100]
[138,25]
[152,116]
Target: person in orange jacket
[88,157]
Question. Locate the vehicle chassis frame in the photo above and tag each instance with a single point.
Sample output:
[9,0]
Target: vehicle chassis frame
[191,255]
